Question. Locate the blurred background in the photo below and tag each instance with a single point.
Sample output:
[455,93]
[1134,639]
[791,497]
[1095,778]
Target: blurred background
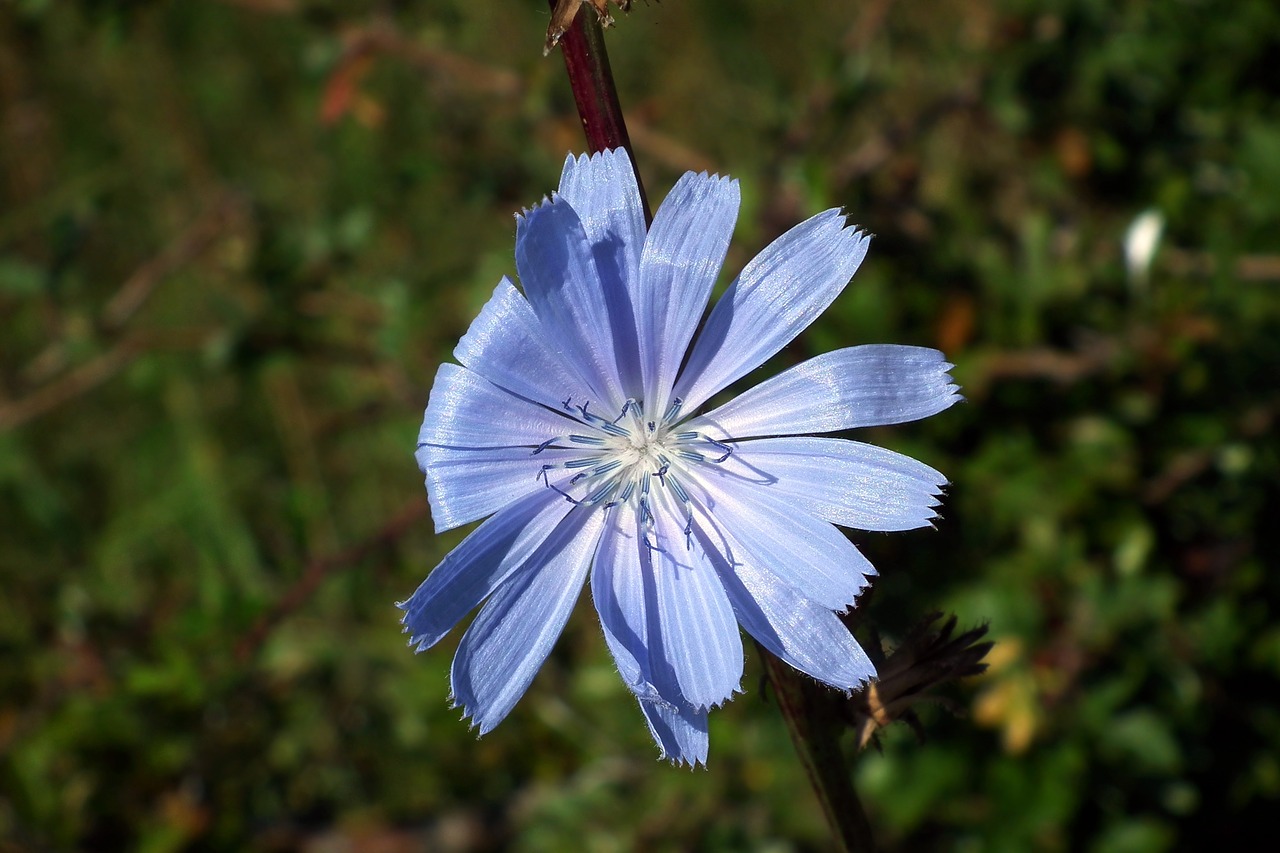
[238,236]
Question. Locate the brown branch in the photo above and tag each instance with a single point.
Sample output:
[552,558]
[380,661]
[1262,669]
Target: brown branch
[82,379]
[97,371]
[1243,267]
[666,149]
[273,7]
[189,245]
[454,67]
[813,715]
[320,568]
[1254,423]
[1152,346]
[226,212]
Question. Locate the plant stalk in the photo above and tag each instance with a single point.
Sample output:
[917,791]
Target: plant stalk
[808,708]
[594,91]
[812,716]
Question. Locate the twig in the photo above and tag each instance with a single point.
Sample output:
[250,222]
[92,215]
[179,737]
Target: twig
[1244,267]
[133,293]
[320,568]
[273,7]
[96,371]
[1257,421]
[80,380]
[810,710]
[189,245]
[594,91]
[813,716]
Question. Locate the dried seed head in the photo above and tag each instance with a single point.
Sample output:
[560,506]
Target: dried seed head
[928,658]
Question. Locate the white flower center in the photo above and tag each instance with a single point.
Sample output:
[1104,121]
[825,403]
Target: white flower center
[629,459]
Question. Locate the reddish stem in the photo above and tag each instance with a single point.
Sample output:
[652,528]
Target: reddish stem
[594,91]
[806,706]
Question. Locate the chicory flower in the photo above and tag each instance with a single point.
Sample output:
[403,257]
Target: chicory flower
[573,423]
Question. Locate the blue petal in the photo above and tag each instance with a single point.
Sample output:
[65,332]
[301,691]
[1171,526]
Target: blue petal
[777,296]
[464,484]
[700,637]
[467,410]
[508,346]
[804,552]
[482,561]
[681,733]
[872,385]
[513,634]
[844,482]
[603,192]
[625,596]
[560,279]
[682,257]
[665,614]
[801,632]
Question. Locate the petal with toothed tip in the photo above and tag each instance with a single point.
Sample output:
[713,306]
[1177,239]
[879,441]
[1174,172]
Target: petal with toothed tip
[869,385]
[482,561]
[682,257]
[513,634]
[778,294]
[603,191]
[844,482]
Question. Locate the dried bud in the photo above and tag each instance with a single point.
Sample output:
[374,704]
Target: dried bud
[929,657]
[564,11]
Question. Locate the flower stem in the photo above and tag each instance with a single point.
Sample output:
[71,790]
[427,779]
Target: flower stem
[812,715]
[594,92]
[808,708]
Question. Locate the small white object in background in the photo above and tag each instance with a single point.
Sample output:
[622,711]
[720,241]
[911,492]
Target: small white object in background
[1140,243]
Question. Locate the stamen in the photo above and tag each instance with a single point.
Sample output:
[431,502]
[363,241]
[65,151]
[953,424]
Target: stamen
[545,445]
[570,498]
[632,403]
[614,429]
[612,465]
[622,457]
[719,445]
[675,486]
[601,493]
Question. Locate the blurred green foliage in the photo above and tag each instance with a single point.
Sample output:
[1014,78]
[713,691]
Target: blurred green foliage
[237,237]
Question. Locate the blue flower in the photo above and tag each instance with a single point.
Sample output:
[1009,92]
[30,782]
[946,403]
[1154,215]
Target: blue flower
[573,424]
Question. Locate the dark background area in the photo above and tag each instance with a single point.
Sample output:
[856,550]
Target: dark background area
[237,238]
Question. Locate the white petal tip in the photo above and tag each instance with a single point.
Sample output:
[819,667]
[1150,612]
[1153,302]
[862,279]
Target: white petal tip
[685,763]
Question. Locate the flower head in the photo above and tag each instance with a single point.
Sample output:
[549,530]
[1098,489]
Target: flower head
[574,424]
